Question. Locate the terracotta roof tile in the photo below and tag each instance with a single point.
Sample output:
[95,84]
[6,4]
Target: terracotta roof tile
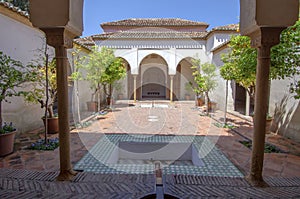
[14,8]
[151,35]
[88,41]
[154,22]
[227,27]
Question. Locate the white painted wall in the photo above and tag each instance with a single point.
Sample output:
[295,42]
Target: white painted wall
[290,125]
[218,95]
[20,42]
[23,43]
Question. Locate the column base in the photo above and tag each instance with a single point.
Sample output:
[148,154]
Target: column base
[256,182]
[66,175]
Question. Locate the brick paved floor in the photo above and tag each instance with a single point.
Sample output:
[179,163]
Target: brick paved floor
[177,119]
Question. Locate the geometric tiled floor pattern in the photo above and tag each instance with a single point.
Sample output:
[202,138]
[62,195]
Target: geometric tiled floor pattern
[214,162]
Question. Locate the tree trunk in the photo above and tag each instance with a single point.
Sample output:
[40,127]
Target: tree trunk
[47,97]
[208,103]
[50,111]
[110,94]
[226,101]
[1,122]
[99,98]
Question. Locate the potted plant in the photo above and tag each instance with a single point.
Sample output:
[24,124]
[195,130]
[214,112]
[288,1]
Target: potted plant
[7,137]
[44,92]
[269,120]
[101,69]
[204,76]
[199,83]
[114,71]
[13,76]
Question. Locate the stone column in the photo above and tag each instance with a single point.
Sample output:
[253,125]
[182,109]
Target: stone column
[171,87]
[263,39]
[134,87]
[61,40]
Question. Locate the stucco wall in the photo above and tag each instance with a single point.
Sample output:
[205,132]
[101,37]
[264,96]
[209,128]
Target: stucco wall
[289,125]
[24,43]
[21,42]
[218,95]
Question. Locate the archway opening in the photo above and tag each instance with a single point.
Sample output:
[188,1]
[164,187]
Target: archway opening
[153,81]
[183,80]
[154,84]
[124,87]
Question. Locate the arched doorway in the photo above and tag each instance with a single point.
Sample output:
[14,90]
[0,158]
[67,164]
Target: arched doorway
[152,81]
[182,80]
[124,87]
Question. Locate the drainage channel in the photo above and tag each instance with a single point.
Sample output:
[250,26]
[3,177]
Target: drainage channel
[159,181]
[159,185]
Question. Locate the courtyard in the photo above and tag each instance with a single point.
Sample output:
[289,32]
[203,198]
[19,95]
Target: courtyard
[121,149]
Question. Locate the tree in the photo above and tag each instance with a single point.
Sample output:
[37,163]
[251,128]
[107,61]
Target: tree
[198,88]
[22,4]
[44,89]
[112,73]
[102,69]
[210,82]
[240,63]
[205,79]
[13,76]
[285,61]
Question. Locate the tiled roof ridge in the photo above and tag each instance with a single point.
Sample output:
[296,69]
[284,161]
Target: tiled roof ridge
[151,34]
[227,27]
[158,22]
[14,8]
[87,41]
[153,31]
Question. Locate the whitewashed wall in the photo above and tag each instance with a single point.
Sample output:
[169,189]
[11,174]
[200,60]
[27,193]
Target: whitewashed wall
[21,42]
[289,126]
[218,95]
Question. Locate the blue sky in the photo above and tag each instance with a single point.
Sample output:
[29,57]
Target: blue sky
[213,12]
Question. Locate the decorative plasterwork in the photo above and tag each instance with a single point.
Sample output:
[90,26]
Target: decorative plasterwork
[266,36]
[59,37]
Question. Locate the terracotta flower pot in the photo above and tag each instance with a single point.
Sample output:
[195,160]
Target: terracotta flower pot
[52,125]
[268,125]
[187,97]
[92,106]
[200,102]
[7,143]
[212,106]
[120,96]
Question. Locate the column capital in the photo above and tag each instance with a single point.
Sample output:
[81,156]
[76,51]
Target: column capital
[266,36]
[59,37]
